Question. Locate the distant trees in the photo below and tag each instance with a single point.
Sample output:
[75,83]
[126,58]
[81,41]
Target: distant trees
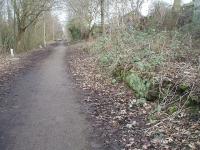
[87,18]
[82,16]
[6,26]
[102,15]
[196,17]
[23,25]
[27,12]
[94,16]
[177,5]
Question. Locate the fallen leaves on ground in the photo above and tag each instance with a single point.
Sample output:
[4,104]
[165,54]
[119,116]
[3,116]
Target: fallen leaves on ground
[118,119]
[11,67]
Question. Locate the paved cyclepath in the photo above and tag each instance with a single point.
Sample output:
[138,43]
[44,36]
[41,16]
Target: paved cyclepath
[46,115]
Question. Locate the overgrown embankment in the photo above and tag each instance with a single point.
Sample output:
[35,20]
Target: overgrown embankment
[148,87]
[159,66]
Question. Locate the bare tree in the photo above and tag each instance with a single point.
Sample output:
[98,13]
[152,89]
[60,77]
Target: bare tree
[196,17]
[177,5]
[102,16]
[27,12]
[85,12]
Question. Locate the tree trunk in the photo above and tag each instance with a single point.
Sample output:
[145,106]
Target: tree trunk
[90,32]
[196,17]
[19,40]
[9,12]
[44,30]
[103,16]
[175,14]
[177,6]
[53,30]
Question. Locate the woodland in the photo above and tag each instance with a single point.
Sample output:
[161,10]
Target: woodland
[140,57]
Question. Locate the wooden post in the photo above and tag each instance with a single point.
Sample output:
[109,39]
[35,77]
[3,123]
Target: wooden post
[12,52]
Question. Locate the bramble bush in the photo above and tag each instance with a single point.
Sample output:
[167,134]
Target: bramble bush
[155,65]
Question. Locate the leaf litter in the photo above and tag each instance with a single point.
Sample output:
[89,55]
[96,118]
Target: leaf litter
[120,121]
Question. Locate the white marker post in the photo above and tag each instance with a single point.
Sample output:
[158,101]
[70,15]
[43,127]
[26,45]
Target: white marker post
[12,52]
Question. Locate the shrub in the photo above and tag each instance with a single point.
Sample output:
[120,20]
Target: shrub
[77,29]
[156,65]
[106,59]
[75,32]
[140,86]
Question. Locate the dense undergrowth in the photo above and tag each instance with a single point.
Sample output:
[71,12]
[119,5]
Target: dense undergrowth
[158,66]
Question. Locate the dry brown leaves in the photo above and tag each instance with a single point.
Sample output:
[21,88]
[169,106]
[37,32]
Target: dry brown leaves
[120,122]
[12,67]
[185,72]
